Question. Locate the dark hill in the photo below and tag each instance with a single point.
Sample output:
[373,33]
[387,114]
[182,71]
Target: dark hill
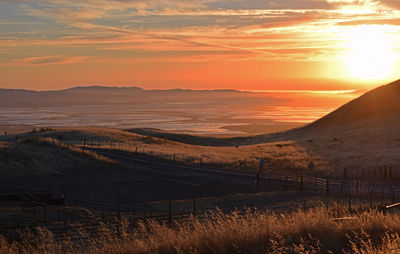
[374,105]
[377,111]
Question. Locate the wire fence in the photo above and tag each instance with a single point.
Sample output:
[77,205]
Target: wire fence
[78,213]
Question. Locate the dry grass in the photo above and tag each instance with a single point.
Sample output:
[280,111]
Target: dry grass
[286,154]
[365,145]
[329,152]
[71,149]
[313,231]
[36,155]
[289,155]
[356,148]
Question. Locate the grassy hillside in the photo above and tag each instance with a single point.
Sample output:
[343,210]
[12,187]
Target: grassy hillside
[375,104]
[38,156]
[288,155]
[361,136]
[365,145]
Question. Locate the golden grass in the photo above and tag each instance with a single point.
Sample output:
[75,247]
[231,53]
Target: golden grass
[38,155]
[66,146]
[287,154]
[313,231]
[357,149]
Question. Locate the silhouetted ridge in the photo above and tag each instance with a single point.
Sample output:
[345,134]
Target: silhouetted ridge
[382,101]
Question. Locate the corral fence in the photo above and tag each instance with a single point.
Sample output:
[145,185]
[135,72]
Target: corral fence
[81,213]
[84,213]
[64,221]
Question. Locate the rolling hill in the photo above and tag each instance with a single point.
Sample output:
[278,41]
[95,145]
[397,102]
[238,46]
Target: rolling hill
[375,105]
[361,135]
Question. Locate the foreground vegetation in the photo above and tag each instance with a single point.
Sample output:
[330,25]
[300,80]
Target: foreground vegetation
[314,231]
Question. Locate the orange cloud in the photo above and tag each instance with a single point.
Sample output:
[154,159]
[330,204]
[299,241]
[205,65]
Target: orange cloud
[167,36]
[48,60]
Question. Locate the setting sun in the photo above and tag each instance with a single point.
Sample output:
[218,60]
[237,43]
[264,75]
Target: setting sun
[371,54]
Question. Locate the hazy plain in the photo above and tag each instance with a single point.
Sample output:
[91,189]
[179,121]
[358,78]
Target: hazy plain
[227,112]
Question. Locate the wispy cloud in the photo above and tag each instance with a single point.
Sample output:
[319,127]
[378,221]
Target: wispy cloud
[47,60]
[181,31]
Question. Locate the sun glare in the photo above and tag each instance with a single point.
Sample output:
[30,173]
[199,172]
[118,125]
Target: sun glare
[371,52]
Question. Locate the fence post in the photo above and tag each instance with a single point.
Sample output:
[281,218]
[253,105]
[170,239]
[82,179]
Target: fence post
[385,173]
[301,182]
[370,198]
[350,201]
[194,201]
[342,188]
[393,193]
[119,202]
[169,204]
[357,186]
[45,214]
[286,182]
[327,187]
[258,180]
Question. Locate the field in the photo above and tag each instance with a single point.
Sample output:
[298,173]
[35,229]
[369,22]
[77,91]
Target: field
[312,231]
[165,177]
[370,148]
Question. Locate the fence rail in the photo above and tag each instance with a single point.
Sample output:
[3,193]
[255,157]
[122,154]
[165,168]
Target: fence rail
[63,219]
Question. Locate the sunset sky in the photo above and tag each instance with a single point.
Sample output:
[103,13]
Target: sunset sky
[212,44]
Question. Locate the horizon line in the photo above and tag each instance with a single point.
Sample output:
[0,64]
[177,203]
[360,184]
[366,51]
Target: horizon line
[330,91]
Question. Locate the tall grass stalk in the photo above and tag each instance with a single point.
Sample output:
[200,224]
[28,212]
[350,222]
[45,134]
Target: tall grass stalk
[313,231]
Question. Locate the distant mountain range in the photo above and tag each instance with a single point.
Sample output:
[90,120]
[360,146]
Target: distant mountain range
[381,102]
[99,95]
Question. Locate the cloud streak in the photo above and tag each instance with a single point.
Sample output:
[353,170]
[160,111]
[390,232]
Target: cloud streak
[47,60]
[194,32]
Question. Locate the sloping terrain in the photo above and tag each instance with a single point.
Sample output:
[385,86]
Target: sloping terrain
[34,156]
[375,105]
[361,136]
